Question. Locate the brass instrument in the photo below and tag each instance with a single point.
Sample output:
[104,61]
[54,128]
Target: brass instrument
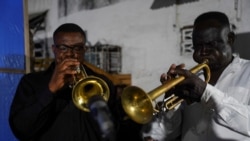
[138,104]
[85,87]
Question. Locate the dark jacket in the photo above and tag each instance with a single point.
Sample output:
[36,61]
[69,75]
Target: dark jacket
[38,115]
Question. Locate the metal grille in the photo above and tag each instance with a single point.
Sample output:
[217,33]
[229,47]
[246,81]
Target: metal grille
[106,57]
[186,41]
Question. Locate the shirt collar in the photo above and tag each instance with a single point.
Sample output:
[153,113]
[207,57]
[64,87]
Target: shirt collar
[234,65]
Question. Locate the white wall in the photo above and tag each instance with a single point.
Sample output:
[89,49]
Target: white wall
[150,39]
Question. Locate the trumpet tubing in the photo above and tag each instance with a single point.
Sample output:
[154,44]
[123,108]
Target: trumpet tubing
[138,104]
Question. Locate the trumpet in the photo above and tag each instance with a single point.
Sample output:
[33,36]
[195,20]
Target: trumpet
[85,87]
[138,104]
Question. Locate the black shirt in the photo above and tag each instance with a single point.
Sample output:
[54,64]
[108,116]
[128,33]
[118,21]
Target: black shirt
[38,115]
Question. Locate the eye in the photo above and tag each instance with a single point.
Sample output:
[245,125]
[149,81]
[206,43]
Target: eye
[212,44]
[197,46]
[78,48]
[62,47]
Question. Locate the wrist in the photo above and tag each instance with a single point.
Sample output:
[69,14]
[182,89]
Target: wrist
[52,88]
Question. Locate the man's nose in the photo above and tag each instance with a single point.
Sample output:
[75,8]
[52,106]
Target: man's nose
[70,52]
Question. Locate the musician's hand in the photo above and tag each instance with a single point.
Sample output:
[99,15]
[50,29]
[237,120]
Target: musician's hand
[192,87]
[165,77]
[62,74]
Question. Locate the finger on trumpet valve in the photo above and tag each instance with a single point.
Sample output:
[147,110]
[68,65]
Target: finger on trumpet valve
[168,77]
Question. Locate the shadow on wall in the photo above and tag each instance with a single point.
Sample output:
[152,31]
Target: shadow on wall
[166,3]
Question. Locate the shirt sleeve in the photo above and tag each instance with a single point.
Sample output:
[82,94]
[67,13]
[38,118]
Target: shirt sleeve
[230,112]
[164,125]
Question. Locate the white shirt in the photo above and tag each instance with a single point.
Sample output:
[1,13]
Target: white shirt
[223,113]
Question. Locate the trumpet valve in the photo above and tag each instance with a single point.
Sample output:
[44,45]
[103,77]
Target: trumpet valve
[172,101]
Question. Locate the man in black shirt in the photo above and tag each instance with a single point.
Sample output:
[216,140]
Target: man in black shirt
[42,109]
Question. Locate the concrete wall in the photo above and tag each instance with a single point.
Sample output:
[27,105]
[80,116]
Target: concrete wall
[150,39]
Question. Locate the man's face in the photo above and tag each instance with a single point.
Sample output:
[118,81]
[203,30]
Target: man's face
[69,45]
[211,41]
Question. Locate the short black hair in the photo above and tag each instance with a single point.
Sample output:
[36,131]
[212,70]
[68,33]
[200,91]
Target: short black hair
[215,15]
[69,27]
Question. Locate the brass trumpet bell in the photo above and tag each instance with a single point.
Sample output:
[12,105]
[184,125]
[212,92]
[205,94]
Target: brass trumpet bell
[137,104]
[87,87]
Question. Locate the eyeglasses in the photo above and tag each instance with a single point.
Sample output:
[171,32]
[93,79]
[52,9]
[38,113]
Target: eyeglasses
[75,48]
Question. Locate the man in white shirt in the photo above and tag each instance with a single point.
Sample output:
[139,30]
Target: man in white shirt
[220,109]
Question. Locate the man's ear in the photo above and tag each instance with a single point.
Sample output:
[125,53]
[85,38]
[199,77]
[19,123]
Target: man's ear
[231,38]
